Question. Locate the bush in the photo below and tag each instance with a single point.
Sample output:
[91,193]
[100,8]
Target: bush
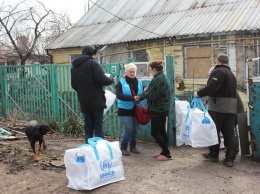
[73,126]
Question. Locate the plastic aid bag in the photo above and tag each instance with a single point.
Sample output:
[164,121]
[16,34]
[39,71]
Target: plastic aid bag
[181,109]
[93,165]
[198,128]
[110,99]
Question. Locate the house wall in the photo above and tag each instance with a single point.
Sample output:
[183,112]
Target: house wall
[62,56]
[198,53]
[246,47]
[199,57]
[122,56]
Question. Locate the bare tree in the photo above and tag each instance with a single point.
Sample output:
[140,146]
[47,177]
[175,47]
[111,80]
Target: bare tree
[25,29]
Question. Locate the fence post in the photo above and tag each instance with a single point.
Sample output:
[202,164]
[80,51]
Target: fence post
[3,97]
[54,92]
[171,125]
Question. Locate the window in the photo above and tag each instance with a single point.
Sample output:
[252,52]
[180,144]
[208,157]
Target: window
[140,56]
[199,59]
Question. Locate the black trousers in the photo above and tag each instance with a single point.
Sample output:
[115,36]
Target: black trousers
[158,131]
[225,123]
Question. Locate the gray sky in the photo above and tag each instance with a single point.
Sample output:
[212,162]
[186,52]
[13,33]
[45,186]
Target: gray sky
[74,8]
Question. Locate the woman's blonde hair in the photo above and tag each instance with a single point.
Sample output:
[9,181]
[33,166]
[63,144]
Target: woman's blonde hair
[130,66]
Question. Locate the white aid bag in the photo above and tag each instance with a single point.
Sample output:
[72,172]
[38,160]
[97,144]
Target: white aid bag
[93,165]
[110,99]
[181,109]
[198,129]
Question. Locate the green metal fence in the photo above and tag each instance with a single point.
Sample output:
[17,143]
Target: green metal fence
[37,92]
[43,92]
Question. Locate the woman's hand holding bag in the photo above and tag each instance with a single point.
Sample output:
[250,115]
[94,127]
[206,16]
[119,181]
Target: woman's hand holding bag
[141,112]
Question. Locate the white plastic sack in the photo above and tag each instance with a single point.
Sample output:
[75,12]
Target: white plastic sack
[198,129]
[110,99]
[93,165]
[181,109]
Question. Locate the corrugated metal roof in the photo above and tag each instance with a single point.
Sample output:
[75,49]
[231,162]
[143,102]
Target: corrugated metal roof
[115,21]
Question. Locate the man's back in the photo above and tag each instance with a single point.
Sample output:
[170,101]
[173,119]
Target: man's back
[88,78]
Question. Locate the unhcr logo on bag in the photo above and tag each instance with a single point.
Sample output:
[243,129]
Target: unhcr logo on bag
[80,159]
[205,121]
[105,167]
[186,134]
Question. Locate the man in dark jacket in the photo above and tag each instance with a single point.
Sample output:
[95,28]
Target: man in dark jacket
[222,106]
[88,80]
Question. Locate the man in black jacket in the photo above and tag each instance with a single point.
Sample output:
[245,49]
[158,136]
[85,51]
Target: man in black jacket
[88,80]
[222,106]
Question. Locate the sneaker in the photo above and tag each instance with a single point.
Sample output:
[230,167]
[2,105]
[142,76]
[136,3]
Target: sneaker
[125,153]
[134,150]
[208,157]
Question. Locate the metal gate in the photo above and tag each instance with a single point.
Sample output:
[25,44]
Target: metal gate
[37,92]
[253,113]
[42,92]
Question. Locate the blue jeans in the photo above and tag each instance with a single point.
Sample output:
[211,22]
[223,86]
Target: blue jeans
[93,121]
[130,126]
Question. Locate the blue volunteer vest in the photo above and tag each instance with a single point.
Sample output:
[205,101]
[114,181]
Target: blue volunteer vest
[127,91]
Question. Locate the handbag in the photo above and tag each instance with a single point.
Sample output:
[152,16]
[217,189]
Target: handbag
[94,164]
[198,129]
[141,112]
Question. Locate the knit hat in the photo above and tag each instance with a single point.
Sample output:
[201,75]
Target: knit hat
[222,58]
[89,50]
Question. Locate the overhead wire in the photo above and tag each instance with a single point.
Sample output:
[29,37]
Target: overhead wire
[124,20]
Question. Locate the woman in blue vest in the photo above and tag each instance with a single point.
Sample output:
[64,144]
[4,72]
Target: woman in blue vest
[127,91]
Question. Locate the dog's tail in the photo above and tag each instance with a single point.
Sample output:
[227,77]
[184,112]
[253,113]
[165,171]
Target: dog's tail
[33,123]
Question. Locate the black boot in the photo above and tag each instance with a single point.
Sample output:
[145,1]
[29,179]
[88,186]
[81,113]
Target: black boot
[228,162]
[208,156]
[133,148]
[124,149]
[230,155]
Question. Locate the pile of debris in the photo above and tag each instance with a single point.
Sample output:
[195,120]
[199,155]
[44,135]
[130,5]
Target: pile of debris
[12,129]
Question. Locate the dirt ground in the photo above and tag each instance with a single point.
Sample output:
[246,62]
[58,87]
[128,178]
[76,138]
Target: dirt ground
[188,172]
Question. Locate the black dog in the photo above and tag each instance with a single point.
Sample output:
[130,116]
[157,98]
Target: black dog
[35,133]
